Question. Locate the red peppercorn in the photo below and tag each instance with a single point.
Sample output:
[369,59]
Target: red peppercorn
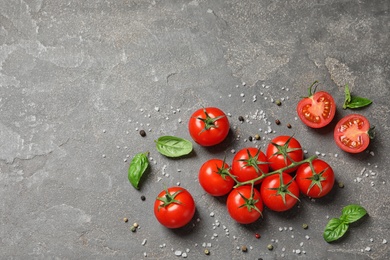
[257,235]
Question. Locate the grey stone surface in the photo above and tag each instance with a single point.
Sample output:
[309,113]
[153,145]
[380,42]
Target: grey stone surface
[78,78]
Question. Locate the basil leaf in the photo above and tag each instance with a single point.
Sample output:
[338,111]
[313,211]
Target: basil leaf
[138,166]
[347,99]
[358,102]
[173,146]
[335,229]
[352,213]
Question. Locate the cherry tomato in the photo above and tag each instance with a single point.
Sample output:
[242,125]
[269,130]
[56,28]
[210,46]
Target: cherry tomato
[282,151]
[317,110]
[244,204]
[174,207]
[249,163]
[318,183]
[214,177]
[279,195]
[353,133]
[208,126]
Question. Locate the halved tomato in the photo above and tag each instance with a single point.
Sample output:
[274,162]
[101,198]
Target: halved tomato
[353,133]
[317,110]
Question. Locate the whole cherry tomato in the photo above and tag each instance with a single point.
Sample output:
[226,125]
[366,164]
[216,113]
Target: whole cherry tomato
[174,207]
[208,126]
[317,110]
[244,204]
[282,151]
[353,133]
[279,192]
[214,177]
[315,181]
[248,164]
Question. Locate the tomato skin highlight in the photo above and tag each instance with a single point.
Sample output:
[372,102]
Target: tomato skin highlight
[240,213]
[351,133]
[208,126]
[270,196]
[176,214]
[246,172]
[317,110]
[293,149]
[325,178]
[213,182]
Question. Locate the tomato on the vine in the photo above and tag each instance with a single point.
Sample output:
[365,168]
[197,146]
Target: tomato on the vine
[244,204]
[174,207]
[318,109]
[214,177]
[248,164]
[208,126]
[315,181]
[279,192]
[282,151]
[353,133]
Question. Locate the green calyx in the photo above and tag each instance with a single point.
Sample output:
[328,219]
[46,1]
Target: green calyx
[310,90]
[283,190]
[253,162]
[222,171]
[168,199]
[316,179]
[250,203]
[284,150]
[209,122]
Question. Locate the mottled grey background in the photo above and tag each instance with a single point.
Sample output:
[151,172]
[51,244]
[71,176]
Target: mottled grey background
[79,78]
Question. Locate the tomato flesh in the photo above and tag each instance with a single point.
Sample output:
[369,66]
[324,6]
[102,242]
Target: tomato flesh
[351,133]
[318,110]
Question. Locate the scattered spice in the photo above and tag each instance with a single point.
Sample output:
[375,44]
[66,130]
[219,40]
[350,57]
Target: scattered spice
[142,133]
[244,249]
[341,184]
[257,235]
[133,229]
[206,252]
[305,226]
[278,102]
[288,125]
[277,121]
[250,138]
[135,225]
[257,137]
[270,247]
[143,198]
[241,119]
[125,220]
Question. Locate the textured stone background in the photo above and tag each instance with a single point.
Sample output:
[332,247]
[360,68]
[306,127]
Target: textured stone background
[78,78]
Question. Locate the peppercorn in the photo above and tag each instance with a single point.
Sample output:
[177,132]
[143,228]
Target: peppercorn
[288,125]
[250,138]
[257,235]
[277,121]
[135,225]
[270,247]
[305,226]
[257,137]
[278,102]
[125,220]
[143,198]
[341,185]
[133,229]
[142,133]
[241,119]
[206,252]
[244,249]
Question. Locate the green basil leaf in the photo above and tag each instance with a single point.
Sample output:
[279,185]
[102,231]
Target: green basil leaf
[347,99]
[173,146]
[358,102]
[352,213]
[138,166]
[335,229]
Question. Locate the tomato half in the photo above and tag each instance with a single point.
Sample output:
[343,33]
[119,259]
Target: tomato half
[208,126]
[282,151]
[249,163]
[353,133]
[318,183]
[214,177]
[244,204]
[317,110]
[279,195]
[174,207]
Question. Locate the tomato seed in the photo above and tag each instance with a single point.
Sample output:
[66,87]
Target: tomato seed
[142,133]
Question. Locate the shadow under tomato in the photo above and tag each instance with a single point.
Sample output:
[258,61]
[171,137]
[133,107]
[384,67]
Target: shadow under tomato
[223,146]
[188,229]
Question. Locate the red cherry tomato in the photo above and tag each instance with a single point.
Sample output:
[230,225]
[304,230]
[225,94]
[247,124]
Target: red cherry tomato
[318,183]
[174,207]
[244,204]
[317,110]
[249,163]
[278,195]
[208,126]
[214,177]
[353,133]
[282,151]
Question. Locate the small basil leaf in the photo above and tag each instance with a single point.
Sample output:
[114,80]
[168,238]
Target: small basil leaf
[358,102]
[138,166]
[335,229]
[173,146]
[347,99]
[352,213]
